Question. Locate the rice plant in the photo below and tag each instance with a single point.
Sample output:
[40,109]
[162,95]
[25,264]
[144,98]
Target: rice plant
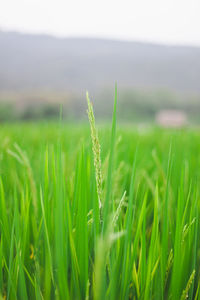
[99,215]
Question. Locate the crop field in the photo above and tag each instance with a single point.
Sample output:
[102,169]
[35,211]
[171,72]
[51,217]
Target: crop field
[112,214]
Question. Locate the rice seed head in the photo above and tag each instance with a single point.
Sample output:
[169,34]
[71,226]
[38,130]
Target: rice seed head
[190,281]
[96,149]
[117,213]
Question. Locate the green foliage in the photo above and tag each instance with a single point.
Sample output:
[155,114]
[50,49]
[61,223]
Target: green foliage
[54,241]
[7,112]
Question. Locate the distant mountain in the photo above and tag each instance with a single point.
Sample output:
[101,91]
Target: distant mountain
[35,62]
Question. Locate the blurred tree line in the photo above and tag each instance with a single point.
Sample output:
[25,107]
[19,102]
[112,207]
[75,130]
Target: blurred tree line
[133,105]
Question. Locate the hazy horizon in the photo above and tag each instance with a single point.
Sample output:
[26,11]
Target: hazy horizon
[117,39]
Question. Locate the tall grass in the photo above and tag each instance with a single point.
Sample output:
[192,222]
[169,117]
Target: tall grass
[80,221]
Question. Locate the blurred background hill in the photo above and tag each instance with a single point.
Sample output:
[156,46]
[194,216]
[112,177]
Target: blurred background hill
[39,72]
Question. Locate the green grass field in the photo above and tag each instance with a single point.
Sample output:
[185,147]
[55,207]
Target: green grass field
[80,223]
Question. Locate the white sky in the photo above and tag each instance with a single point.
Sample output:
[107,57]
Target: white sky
[166,21]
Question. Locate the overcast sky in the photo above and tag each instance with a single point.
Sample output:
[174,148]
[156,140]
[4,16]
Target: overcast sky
[166,21]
